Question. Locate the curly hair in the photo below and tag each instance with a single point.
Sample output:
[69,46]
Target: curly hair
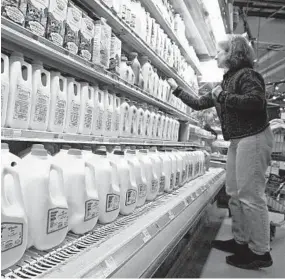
[239,52]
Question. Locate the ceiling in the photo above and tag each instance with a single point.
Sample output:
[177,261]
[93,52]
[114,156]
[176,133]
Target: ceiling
[264,21]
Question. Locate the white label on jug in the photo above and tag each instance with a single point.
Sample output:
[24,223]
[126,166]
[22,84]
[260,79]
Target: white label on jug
[131,197]
[117,122]
[41,108]
[22,103]
[11,236]
[124,12]
[125,123]
[57,219]
[91,210]
[172,181]
[113,202]
[88,116]
[162,184]
[59,111]
[74,115]
[99,123]
[14,14]
[134,119]
[154,186]
[177,178]
[142,190]
[37,28]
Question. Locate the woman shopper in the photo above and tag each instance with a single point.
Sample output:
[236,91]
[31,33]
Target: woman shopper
[241,105]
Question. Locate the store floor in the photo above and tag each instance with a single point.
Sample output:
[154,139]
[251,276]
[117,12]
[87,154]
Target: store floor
[196,259]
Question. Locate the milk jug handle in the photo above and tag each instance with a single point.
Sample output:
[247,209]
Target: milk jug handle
[59,172]
[17,185]
[115,169]
[92,171]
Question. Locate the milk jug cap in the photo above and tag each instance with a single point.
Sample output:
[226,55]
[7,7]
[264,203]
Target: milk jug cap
[39,150]
[101,150]
[66,147]
[119,152]
[133,54]
[75,152]
[87,148]
[124,58]
[4,146]
[132,152]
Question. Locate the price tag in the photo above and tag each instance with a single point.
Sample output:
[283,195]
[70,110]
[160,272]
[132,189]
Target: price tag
[171,215]
[146,236]
[17,133]
[110,266]
[8,133]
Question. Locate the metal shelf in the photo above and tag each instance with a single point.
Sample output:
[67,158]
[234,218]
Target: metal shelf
[122,249]
[15,37]
[129,37]
[156,13]
[10,134]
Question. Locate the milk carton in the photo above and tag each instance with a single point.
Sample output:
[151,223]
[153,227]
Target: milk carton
[115,54]
[72,27]
[57,13]
[102,43]
[86,37]
[36,16]
[14,10]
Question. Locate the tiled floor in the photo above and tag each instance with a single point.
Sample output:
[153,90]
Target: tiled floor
[215,266]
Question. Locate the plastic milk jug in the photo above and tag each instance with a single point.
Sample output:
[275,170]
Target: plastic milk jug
[58,103]
[4,87]
[14,223]
[146,72]
[80,191]
[73,106]
[157,165]
[98,111]
[40,98]
[140,175]
[86,109]
[48,212]
[7,158]
[173,168]
[116,116]
[134,119]
[166,172]
[107,182]
[141,121]
[125,119]
[183,154]
[153,123]
[127,182]
[20,96]
[87,152]
[178,160]
[161,132]
[155,83]
[148,127]
[109,110]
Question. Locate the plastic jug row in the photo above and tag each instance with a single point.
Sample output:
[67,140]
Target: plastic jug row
[34,98]
[65,24]
[44,196]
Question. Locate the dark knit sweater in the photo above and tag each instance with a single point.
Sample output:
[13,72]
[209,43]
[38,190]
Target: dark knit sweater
[241,106]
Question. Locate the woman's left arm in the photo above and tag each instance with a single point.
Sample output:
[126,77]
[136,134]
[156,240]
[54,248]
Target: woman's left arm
[251,95]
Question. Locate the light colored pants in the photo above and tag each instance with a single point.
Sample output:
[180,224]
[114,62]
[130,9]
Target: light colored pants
[247,162]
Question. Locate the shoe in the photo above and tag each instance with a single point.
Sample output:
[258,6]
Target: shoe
[230,246]
[250,260]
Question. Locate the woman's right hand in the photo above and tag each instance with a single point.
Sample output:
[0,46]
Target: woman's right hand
[172,83]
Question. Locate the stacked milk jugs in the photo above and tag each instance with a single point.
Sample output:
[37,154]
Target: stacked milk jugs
[73,107]
[44,196]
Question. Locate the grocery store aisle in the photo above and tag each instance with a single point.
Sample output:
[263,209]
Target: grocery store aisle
[216,267]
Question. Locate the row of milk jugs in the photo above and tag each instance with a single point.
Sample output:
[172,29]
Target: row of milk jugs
[34,98]
[44,196]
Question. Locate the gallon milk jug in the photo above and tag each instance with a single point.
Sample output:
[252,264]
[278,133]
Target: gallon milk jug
[116,116]
[190,165]
[146,164]
[125,120]
[80,191]
[159,126]
[107,182]
[160,88]
[146,72]
[127,182]
[166,172]
[7,158]
[179,166]
[140,175]
[155,83]
[20,96]
[40,98]
[98,111]
[134,119]
[131,77]
[48,212]
[147,117]
[173,168]
[14,223]
[4,87]
[124,69]
[153,123]
[86,109]
[109,110]
[152,171]
[157,165]
[58,103]
[73,106]
[136,66]
[162,136]
[141,121]
[184,166]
